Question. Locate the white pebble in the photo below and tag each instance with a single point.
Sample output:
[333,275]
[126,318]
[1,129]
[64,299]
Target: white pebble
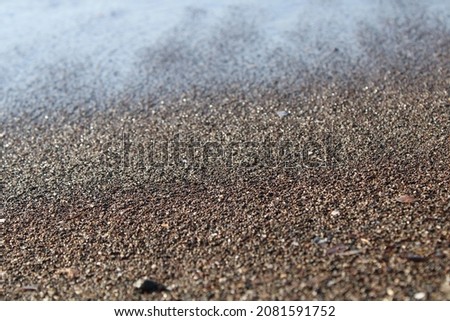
[282,113]
[335,213]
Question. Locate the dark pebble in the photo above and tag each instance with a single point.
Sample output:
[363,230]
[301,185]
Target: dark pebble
[415,258]
[149,286]
[30,288]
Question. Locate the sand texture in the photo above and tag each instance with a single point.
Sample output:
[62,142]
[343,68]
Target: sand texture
[328,182]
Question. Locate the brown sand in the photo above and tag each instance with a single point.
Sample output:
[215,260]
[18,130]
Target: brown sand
[357,209]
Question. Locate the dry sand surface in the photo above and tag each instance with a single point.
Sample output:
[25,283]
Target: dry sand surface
[327,183]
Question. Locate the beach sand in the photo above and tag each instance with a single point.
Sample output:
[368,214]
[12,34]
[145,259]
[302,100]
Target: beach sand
[332,188]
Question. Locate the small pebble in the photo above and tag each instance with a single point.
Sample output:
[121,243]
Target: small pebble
[337,249]
[282,113]
[415,257]
[149,286]
[2,220]
[351,252]
[419,296]
[30,288]
[319,240]
[405,199]
[335,213]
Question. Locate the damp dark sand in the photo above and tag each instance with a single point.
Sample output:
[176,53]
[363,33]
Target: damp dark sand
[356,207]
